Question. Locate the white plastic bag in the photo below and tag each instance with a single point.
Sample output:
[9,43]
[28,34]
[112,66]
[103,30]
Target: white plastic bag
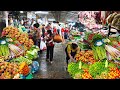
[42,45]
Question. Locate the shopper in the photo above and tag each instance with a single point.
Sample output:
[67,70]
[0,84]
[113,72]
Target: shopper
[71,50]
[32,23]
[36,34]
[62,32]
[48,27]
[43,30]
[58,28]
[54,31]
[50,45]
[66,32]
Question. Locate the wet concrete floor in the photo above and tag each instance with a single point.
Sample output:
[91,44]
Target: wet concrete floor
[56,70]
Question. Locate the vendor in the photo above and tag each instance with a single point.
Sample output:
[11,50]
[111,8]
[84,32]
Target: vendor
[71,50]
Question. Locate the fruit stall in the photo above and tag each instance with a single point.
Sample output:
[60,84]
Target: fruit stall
[17,55]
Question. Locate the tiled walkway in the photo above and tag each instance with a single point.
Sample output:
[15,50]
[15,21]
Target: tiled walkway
[56,70]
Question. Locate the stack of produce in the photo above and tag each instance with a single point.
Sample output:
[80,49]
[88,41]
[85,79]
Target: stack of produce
[98,70]
[32,53]
[86,57]
[8,70]
[4,53]
[79,70]
[18,50]
[14,33]
[21,59]
[112,52]
[98,47]
[15,51]
[24,69]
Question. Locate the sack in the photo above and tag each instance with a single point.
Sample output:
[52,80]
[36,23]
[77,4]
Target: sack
[42,46]
[57,38]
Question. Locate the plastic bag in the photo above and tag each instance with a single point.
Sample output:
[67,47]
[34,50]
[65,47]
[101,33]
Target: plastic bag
[35,66]
[42,46]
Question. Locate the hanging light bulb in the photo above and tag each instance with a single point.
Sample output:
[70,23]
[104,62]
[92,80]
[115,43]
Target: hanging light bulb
[21,11]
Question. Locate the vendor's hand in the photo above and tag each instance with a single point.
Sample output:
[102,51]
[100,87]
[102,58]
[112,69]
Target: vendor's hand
[72,59]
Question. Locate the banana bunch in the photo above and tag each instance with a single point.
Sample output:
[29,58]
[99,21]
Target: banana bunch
[4,52]
[99,52]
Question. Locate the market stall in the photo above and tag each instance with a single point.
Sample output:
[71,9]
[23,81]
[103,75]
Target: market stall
[98,59]
[17,55]
[99,56]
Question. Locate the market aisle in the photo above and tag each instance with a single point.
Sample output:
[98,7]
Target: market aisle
[56,70]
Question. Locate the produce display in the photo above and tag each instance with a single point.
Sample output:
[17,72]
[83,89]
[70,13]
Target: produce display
[8,70]
[32,53]
[21,59]
[98,70]
[23,38]
[86,56]
[98,59]
[24,69]
[17,53]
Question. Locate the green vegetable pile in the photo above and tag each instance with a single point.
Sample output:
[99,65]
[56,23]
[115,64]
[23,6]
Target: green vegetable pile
[73,68]
[85,66]
[78,75]
[97,37]
[32,53]
[22,59]
[97,68]
[112,65]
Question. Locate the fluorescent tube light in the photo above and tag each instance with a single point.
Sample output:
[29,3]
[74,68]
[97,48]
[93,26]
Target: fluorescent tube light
[41,12]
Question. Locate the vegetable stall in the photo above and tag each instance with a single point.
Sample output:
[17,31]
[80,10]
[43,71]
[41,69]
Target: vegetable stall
[101,61]
[98,59]
[17,54]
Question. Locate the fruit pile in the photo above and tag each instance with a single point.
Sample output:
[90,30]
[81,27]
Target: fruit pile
[23,38]
[8,70]
[86,56]
[114,73]
[86,75]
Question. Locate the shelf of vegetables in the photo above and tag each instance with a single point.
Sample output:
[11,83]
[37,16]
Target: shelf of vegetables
[17,53]
[99,60]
